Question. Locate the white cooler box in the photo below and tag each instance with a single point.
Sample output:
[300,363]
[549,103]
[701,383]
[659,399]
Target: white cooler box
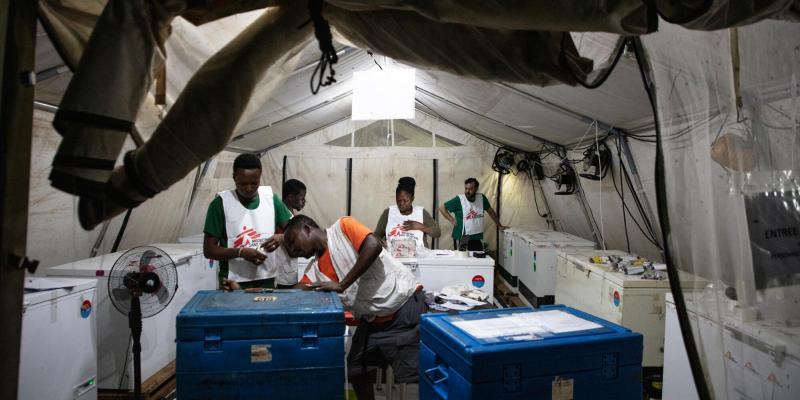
[535,262]
[757,360]
[158,333]
[58,352]
[628,300]
[437,271]
[508,269]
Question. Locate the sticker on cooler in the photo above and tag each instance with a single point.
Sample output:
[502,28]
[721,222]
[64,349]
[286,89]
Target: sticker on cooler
[86,309]
[478,281]
[617,298]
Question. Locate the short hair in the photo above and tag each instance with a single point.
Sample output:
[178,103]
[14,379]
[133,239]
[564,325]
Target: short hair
[246,161]
[472,180]
[299,221]
[293,186]
[406,184]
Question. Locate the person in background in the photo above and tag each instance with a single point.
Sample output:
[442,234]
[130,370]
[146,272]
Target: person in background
[405,219]
[240,223]
[382,294]
[294,195]
[469,209]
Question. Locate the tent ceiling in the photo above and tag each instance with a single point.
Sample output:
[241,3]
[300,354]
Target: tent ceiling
[521,116]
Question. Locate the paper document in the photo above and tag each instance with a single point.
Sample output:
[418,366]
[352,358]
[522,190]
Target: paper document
[526,325]
[454,306]
[462,299]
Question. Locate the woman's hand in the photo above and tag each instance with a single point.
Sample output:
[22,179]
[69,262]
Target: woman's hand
[414,226]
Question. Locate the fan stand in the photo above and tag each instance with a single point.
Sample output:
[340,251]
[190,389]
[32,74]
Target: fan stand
[135,323]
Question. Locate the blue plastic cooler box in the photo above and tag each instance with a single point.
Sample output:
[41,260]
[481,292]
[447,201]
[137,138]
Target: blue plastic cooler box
[553,353]
[287,344]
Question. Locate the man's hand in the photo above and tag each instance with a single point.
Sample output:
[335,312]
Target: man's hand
[330,286]
[414,225]
[229,285]
[273,243]
[254,256]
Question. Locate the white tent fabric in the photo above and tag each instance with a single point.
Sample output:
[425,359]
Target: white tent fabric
[726,209]
[725,167]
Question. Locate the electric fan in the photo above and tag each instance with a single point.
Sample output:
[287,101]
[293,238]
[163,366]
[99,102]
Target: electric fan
[596,161]
[141,283]
[503,160]
[564,177]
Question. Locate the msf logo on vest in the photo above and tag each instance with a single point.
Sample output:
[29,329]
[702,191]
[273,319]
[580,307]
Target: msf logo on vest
[398,230]
[472,214]
[247,238]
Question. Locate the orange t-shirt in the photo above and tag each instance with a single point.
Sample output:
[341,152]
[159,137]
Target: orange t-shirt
[356,232]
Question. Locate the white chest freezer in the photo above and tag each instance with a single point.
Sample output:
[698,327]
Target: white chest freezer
[535,262]
[757,360]
[628,300]
[58,352]
[445,267]
[158,332]
[507,267]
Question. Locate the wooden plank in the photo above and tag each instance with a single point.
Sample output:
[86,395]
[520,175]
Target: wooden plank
[17,52]
[164,375]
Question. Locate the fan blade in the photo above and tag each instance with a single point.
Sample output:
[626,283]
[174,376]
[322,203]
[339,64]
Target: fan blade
[121,294]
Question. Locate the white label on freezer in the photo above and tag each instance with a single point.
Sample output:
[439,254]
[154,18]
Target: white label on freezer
[530,325]
[562,389]
[260,353]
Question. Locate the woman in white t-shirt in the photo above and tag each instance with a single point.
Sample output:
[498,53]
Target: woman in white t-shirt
[406,220]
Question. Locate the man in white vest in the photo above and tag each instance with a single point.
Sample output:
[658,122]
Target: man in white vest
[240,229]
[382,294]
[469,209]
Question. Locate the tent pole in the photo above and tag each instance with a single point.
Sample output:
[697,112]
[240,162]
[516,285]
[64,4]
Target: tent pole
[17,52]
[434,210]
[499,196]
[283,174]
[349,186]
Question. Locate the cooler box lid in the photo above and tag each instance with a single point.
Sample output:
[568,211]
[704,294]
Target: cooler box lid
[551,340]
[290,313]
[101,265]
[555,239]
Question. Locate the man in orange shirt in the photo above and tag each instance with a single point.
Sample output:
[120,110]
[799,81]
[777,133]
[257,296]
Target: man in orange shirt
[382,293]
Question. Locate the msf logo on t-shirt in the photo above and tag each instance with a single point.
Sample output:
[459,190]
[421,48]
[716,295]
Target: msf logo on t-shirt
[246,237]
[472,214]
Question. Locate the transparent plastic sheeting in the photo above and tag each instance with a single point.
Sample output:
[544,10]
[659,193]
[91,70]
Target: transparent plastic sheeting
[733,198]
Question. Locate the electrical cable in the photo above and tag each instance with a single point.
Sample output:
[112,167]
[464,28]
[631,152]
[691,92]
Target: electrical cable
[125,364]
[622,198]
[604,74]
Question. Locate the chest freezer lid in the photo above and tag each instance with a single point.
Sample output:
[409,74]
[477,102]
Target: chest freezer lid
[555,239]
[548,340]
[238,315]
[100,266]
[39,289]
[452,258]
[580,258]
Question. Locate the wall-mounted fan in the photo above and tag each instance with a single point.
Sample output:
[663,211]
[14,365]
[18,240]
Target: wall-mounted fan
[566,178]
[141,283]
[596,162]
[503,160]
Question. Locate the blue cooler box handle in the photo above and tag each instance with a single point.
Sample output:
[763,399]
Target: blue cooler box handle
[439,384]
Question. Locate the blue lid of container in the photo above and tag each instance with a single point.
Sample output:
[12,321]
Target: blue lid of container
[474,342]
[280,313]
